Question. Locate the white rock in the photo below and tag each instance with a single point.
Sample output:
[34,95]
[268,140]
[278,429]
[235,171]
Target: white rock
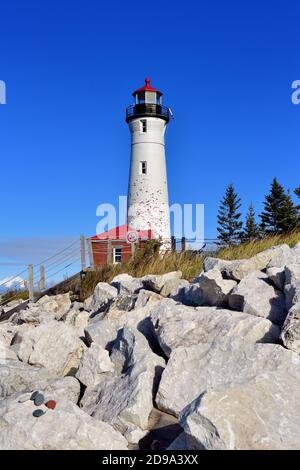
[178,325]
[277,276]
[103,294]
[195,370]
[146,297]
[256,414]
[94,363]
[214,288]
[292,285]
[290,334]
[156,282]
[174,288]
[126,284]
[64,428]
[254,295]
[52,345]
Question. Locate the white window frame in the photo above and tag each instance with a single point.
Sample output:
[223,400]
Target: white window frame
[115,254]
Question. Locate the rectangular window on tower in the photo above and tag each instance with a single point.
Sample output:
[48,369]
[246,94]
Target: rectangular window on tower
[144,126]
[143,168]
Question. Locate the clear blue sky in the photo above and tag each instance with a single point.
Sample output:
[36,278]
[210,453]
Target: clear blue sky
[225,68]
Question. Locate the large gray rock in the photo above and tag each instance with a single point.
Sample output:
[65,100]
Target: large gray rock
[193,371]
[277,277]
[146,297]
[256,296]
[292,285]
[256,414]
[178,325]
[156,282]
[127,284]
[54,345]
[290,334]
[214,288]
[94,363]
[101,332]
[102,296]
[238,269]
[126,401]
[174,288]
[45,310]
[287,256]
[64,428]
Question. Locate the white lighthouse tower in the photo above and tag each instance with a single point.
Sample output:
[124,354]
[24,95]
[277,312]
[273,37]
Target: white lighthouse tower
[148,205]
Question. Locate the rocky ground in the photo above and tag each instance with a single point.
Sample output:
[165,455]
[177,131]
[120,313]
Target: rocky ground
[158,362]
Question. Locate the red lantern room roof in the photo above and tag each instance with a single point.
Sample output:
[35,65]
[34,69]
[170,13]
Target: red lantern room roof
[146,87]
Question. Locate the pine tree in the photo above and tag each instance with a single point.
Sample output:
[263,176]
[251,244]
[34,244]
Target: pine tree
[280,213]
[228,217]
[251,230]
[297,192]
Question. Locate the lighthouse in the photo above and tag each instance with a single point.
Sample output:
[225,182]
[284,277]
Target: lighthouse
[148,205]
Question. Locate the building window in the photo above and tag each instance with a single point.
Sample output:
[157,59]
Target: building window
[117,255]
[143,168]
[144,126]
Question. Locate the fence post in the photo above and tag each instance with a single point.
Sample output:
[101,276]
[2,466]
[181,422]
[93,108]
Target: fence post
[91,254]
[183,244]
[173,243]
[109,252]
[42,283]
[133,249]
[82,250]
[30,282]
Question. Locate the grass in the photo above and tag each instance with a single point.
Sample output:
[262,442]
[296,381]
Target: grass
[12,295]
[251,248]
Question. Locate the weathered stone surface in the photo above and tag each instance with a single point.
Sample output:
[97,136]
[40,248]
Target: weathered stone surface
[67,427]
[238,269]
[174,288]
[178,325]
[287,256]
[292,285]
[146,297]
[277,277]
[78,319]
[101,332]
[193,371]
[256,414]
[102,296]
[60,304]
[127,284]
[290,334]
[94,363]
[192,295]
[256,296]
[52,345]
[156,282]
[214,288]
[126,400]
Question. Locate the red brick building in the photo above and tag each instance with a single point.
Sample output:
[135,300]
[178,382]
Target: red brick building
[116,245]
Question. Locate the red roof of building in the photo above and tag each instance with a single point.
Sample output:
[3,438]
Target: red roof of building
[121,233]
[146,87]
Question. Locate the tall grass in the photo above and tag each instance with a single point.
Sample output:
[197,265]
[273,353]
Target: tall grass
[251,248]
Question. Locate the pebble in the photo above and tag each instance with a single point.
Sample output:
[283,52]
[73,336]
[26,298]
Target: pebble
[39,399]
[51,404]
[33,395]
[38,413]
[24,398]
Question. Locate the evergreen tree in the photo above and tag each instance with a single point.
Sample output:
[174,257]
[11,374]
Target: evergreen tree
[297,192]
[280,213]
[229,218]
[251,230]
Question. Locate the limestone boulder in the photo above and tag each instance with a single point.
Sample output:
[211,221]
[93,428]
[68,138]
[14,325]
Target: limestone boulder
[126,284]
[193,371]
[277,277]
[54,345]
[66,427]
[102,296]
[156,283]
[178,325]
[290,334]
[254,295]
[214,288]
[174,288]
[94,363]
[292,285]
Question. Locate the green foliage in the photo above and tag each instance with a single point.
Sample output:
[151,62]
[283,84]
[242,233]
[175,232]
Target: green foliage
[280,213]
[251,230]
[229,221]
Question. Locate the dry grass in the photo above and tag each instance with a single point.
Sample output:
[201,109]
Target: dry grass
[246,250]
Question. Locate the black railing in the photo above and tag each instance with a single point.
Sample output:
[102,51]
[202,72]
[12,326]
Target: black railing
[148,109]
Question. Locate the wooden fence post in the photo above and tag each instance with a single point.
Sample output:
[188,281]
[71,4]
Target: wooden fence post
[91,254]
[109,252]
[133,249]
[183,244]
[42,283]
[30,282]
[82,250]
[173,243]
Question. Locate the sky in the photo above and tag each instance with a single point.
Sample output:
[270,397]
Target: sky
[225,67]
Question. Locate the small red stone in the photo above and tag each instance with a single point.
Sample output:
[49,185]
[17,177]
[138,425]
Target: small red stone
[51,404]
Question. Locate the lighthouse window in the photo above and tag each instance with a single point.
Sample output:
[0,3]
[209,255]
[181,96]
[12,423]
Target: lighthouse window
[117,255]
[143,168]
[144,125]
